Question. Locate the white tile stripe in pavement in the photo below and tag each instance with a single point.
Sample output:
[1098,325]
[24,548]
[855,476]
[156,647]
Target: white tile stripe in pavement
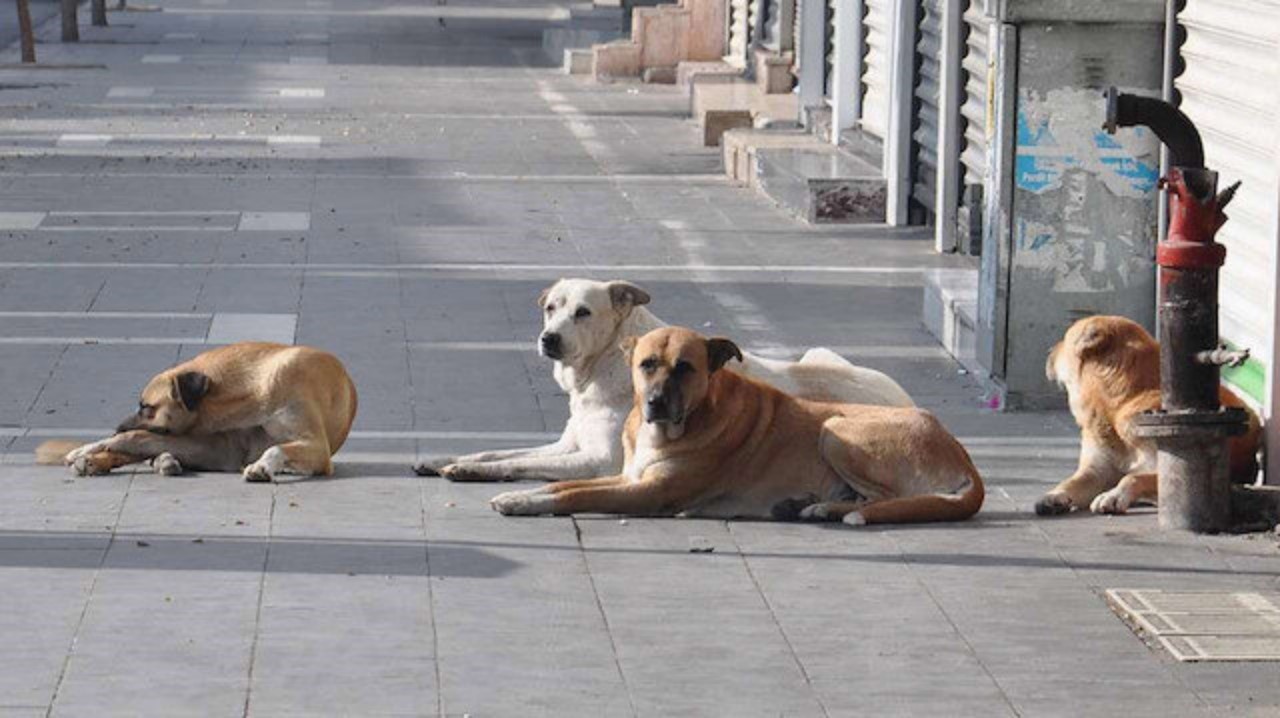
[161,59]
[127,91]
[92,140]
[234,221]
[224,328]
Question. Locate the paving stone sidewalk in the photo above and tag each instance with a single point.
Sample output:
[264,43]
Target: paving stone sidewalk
[395,182]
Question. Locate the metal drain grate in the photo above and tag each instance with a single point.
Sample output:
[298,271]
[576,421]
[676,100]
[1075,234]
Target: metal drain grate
[1205,625]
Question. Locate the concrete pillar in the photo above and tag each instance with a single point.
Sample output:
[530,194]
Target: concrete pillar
[950,98]
[846,68]
[809,86]
[1071,212]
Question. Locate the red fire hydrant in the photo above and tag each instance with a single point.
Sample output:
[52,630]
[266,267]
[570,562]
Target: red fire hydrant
[1191,428]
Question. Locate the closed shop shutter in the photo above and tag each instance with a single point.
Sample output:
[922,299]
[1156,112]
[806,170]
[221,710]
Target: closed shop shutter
[877,64]
[771,34]
[828,46]
[924,130]
[1229,89]
[973,110]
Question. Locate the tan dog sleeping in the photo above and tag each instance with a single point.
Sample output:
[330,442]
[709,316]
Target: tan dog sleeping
[1110,367]
[705,441]
[264,408]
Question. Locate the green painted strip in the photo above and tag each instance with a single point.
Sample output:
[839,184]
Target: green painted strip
[1250,378]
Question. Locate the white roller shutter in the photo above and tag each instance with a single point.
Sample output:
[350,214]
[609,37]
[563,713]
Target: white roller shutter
[973,110]
[877,64]
[924,129]
[828,45]
[1229,88]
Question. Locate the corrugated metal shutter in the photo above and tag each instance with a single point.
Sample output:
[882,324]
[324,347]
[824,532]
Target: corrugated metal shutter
[1230,90]
[877,64]
[771,33]
[739,32]
[828,46]
[796,34]
[924,126]
[973,111]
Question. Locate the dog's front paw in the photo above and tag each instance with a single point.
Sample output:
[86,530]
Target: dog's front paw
[466,472]
[432,465]
[1053,504]
[79,455]
[86,466]
[166,464]
[1115,501]
[530,502]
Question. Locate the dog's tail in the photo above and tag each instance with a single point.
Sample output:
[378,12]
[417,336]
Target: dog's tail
[927,507]
[54,451]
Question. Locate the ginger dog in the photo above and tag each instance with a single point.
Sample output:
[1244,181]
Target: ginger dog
[1110,368]
[584,323]
[264,408]
[705,441]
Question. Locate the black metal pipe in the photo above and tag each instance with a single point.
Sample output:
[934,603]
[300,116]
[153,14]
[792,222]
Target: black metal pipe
[1173,128]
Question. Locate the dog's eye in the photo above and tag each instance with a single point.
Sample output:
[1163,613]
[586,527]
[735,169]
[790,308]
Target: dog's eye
[551,308]
[582,313]
[683,367]
[649,365]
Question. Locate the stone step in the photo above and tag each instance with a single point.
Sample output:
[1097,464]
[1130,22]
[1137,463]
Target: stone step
[951,310]
[577,61]
[719,102]
[556,40]
[821,184]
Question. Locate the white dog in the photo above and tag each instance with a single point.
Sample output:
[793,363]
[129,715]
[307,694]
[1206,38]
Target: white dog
[584,323]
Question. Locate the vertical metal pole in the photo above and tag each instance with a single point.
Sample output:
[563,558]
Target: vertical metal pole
[846,68]
[950,92]
[897,150]
[70,21]
[24,31]
[98,10]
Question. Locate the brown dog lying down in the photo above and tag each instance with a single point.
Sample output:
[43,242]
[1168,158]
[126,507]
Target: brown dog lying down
[702,441]
[1110,367]
[264,408]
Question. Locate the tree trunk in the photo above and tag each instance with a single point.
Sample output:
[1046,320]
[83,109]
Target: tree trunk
[70,21]
[24,31]
[99,10]
[121,4]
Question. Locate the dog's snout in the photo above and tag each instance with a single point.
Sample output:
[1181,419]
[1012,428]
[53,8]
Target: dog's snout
[551,340]
[130,423]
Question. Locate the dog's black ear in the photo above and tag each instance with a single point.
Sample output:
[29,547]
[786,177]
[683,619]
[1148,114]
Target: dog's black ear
[192,387]
[626,294]
[720,351]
